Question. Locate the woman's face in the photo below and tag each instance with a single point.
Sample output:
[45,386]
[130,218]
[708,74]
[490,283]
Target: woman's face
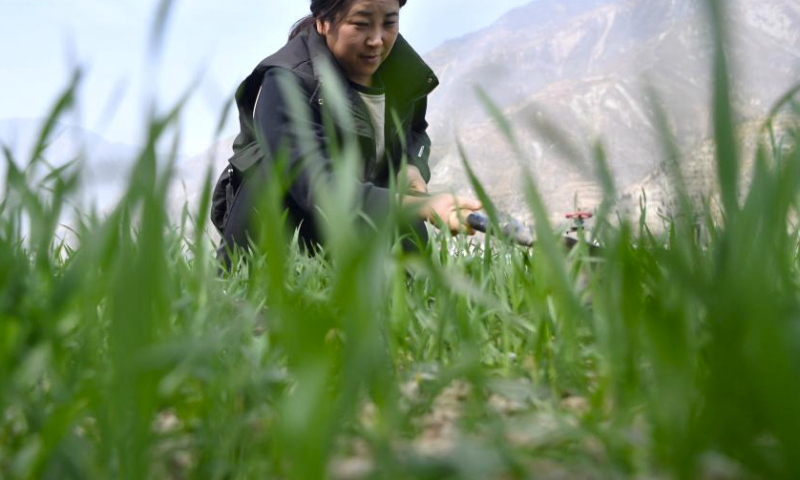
[362,37]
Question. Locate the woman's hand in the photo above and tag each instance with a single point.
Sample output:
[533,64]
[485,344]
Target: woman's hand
[445,208]
[414,183]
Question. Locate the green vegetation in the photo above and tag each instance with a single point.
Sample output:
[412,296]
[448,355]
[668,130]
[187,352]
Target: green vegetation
[669,356]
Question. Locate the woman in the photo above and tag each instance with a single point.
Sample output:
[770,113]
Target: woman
[386,86]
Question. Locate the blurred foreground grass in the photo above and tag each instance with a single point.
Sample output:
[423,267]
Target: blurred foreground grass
[672,356]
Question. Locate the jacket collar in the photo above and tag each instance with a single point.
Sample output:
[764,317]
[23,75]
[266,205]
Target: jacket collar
[406,73]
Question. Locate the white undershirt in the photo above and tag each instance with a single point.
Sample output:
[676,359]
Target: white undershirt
[376,104]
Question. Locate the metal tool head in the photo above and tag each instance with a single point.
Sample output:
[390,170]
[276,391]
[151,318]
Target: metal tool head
[509,226]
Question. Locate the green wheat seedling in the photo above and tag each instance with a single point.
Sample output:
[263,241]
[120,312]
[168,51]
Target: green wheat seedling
[127,353]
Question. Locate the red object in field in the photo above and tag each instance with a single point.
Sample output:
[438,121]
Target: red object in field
[579,215]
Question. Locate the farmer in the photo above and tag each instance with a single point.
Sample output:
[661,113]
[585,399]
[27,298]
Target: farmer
[386,85]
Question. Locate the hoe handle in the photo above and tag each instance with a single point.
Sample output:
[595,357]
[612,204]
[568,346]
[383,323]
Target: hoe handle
[477,222]
[510,228]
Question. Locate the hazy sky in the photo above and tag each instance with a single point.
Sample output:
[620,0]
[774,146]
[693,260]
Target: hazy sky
[208,43]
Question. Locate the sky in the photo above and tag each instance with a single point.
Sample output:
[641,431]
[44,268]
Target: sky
[208,48]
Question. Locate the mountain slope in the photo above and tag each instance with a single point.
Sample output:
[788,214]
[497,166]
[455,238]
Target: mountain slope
[583,66]
[105,165]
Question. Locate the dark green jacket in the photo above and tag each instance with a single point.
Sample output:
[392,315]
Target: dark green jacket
[408,81]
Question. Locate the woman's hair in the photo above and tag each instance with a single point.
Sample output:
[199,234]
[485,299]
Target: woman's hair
[325,10]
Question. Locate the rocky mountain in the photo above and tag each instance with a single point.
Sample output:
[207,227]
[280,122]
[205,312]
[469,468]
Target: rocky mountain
[104,165]
[595,70]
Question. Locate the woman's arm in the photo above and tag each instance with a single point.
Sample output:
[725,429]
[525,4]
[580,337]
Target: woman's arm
[449,209]
[444,208]
[413,181]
